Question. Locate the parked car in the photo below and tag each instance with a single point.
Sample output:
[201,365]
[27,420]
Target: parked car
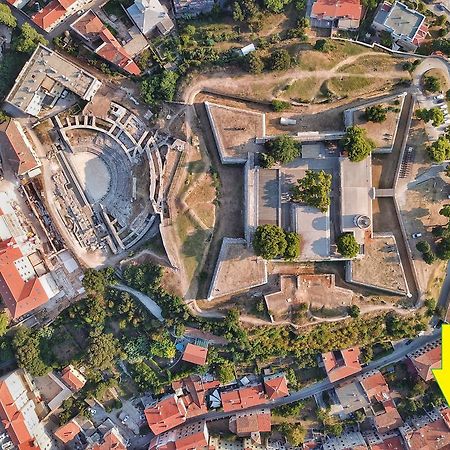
[416,235]
[125,419]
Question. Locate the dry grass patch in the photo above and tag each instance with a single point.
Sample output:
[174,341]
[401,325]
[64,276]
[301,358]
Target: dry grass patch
[437,73]
[343,86]
[375,63]
[304,89]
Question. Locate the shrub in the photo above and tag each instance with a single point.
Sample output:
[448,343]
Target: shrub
[279,105]
[280,60]
[376,113]
[347,245]
[423,246]
[269,241]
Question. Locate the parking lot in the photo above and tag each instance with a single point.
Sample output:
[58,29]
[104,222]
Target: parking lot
[435,101]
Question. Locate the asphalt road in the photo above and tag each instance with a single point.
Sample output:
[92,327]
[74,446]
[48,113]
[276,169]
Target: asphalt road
[397,355]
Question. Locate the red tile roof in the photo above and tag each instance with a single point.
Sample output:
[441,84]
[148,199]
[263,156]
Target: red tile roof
[393,443]
[90,27]
[335,9]
[246,424]
[388,420]
[19,296]
[13,419]
[166,414]
[375,386]
[19,154]
[112,440]
[276,387]
[68,432]
[73,378]
[341,364]
[243,398]
[195,354]
[427,358]
[433,436]
[189,437]
[51,13]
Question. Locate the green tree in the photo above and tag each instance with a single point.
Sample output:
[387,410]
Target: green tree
[280,60]
[323,45]
[6,17]
[443,249]
[238,15]
[255,64]
[145,378]
[423,247]
[314,189]
[370,4]
[357,144]
[445,211]
[280,105]
[225,372]
[295,433]
[162,345]
[354,311]
[282,149]
[159,88]
[4,321]
[292,246]
[275,6]
[434,115]
[28,39]
[102,350]
[3,116]
[347,245]
[269,241]
[376,113]
[96,281]
[27,351]
[439,150]
[431,83]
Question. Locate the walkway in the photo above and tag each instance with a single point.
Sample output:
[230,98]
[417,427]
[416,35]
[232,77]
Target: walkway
[149,304]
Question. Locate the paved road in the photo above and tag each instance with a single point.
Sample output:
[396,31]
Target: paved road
[397,355]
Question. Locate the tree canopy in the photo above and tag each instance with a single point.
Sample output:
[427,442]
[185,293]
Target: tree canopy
[431,83]
[28,39]
[27,352]
[4,321]
[280,60]
[376,113]
[357,144]
[96,281]
[439,150]
[314,189]
[102,351]
[282,149]
[347,245]
[158,88]
[255,64]
[292,246]
[275,6]
[6,17]
[269,241]
[434,115]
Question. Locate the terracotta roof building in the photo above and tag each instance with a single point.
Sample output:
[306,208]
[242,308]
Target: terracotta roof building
[73,378]
[385,414]
[251,424]
[405,25]
[20,288]
[188,437]
[243,398]
[18,406]
[192,392]
[340,364]
[276,387]
[68,432]
[54,13]
[426,358]
[98,37]
[195,354]
[433,436]
[112,440]
[18,150]
[340,14]
[166,414]
[390,443]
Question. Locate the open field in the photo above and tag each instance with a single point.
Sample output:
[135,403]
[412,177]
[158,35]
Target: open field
[353,85]
[301,90]
[376,63]
[440,76]
[380,265]
[382,133]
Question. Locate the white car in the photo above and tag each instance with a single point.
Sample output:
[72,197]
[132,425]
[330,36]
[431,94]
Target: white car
[125,419]
[416,235]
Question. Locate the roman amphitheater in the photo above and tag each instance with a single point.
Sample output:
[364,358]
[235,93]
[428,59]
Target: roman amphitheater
[109,178]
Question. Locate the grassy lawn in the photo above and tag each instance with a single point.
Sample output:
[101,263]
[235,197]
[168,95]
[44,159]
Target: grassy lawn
[302,90]
[375,63]
[350,85]
[315,60]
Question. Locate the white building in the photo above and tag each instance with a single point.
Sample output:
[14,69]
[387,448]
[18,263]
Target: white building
[150,14]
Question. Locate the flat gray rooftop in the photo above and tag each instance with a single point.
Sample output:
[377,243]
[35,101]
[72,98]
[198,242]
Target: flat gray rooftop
[48,72]
[403,21]
[269,195]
